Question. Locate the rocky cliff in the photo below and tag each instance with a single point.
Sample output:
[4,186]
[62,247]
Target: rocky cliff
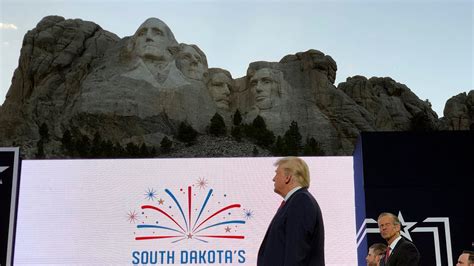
[459,112]
[73,75]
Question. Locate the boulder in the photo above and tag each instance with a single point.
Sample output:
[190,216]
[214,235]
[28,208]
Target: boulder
[459,112]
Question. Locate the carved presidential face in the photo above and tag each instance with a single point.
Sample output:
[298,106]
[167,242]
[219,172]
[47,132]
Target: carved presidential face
[152,40]
[265,86]
[191,63]
[219,87]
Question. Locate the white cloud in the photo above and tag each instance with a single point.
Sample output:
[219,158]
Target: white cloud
[8,26]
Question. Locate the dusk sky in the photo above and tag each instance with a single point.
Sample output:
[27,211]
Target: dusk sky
[426,45]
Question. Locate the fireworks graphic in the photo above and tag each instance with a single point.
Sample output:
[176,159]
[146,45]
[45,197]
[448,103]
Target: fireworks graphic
[132,216]
[188,225]
[201,183]
[248,214]
[150,194]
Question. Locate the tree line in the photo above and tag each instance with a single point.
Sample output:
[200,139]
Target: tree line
[75,144]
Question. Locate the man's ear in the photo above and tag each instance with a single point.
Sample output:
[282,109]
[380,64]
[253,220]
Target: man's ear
[288,179]
[399,227]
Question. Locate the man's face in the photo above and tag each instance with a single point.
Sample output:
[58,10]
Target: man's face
[262,84]
[152,40]
[463,259]
[388,230]
[279,180]
[219,88]
[372,259]
[191,63]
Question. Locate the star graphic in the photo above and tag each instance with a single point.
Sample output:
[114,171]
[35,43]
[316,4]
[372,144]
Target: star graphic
[190,236]
[227,229]
[2,168]
[150,194]
[161,201]
[132,216]
[406,226]
[201,183]
[248,214]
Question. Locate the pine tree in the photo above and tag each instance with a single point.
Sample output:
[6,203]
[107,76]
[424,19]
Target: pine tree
[44,132]
[279,148]
[255,151]
[165,145]
[118,150]
[67,142]
[83,146]
[237,133]
[259,133]
[238,129]
[237,118]
[312,148]
[40,149]
[107,148]
[292,139]
[132,150]
[217,127]
[186,133]
[144,153]
[259,123]
[153,152]
[96,147]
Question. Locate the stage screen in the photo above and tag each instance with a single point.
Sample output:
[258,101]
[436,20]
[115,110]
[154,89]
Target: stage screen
[212,211]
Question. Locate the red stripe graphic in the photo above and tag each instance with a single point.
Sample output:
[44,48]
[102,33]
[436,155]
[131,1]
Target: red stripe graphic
[219,211]
[189,206]
[167,215]
[153,237]
[217,236]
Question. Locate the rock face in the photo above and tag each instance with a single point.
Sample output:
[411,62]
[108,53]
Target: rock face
[74,75]
[56,56]
[459,112]
[391,105]
[300,88]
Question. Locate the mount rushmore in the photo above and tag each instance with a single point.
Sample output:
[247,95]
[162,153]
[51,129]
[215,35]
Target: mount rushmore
[74,74]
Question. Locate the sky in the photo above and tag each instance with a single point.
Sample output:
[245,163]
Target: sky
[425,44]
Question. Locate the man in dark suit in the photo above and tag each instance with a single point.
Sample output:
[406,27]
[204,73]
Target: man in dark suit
[296,234]
[400,251]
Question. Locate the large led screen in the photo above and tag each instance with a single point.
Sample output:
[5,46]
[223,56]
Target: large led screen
[168,211]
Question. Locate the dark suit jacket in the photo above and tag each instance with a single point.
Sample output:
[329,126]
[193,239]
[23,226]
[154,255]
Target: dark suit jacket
[295,235]
[404,254]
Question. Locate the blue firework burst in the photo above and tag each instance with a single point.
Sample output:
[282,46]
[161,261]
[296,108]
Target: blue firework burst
[150,194]
[248,214]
